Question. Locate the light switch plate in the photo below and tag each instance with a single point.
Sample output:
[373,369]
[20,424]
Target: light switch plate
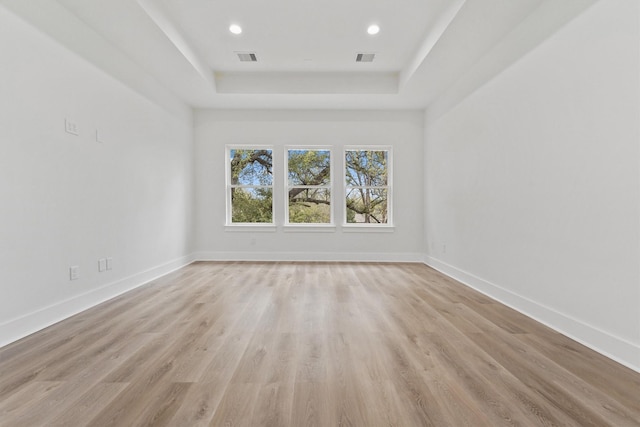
[71,127]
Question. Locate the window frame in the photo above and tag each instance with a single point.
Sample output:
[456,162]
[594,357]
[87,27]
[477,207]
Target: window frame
[229,186]
[325,226]
[352,226]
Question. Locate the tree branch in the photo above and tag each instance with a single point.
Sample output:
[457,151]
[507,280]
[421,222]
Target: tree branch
[310,200]
[362,212]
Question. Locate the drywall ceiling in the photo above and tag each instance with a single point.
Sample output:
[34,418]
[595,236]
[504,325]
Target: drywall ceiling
[306,49]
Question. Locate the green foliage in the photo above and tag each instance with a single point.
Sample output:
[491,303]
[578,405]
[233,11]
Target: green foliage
[367,205]
[251,167]
[351,215]
[311,206]
[252,203]
[251,206]
[366,168]
[309,213]
[309,168]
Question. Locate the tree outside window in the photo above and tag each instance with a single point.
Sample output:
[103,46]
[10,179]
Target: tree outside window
[250,186]
[309,186]
[367,186]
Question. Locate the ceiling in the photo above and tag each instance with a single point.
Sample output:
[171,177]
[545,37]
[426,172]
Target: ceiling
[306,49]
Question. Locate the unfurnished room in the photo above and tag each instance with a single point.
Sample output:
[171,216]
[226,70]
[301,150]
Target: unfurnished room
[319,213]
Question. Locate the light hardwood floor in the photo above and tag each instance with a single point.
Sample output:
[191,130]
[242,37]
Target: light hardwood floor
[309,344]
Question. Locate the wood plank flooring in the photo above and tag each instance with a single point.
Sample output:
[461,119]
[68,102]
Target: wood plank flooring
[309,344]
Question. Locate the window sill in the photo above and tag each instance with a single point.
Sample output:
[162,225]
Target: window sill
[363,228]
[253,228]
[309,228]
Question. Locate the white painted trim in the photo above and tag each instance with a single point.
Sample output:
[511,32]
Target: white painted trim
[367,228]
[28,324]
[310,256]
[161,17]
[252,228]
[616,348]
[437,30]
[309,228]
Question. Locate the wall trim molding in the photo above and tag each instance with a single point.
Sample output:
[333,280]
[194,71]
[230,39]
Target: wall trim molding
[611,346]
[20,327]
[617,348]
[311,256]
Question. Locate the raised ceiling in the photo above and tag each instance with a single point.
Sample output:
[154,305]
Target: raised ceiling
[306,49]
[305,35]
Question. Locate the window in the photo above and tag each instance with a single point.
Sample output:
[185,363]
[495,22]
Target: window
[306,198]
[368,186]
[309,186]
[249,185]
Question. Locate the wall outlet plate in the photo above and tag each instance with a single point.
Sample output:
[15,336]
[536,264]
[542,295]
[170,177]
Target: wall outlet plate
[74,272]
[71,127]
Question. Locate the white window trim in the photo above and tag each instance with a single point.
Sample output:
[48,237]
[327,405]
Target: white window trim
[249,226]
[308,227]
[371,227]
[368,228]
[246,227]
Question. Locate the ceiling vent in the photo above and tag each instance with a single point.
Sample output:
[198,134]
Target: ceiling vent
[247,57]
[365,57]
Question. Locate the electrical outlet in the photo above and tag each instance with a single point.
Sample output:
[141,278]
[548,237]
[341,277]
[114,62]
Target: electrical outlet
[74,272]
[71,127]
[102,264]
[109,264]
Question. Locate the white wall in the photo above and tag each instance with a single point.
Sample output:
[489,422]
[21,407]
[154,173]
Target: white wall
[532,183]
[68,200]
[402,130]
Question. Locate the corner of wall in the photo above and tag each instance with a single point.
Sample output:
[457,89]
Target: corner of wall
[618,349]
[18,328]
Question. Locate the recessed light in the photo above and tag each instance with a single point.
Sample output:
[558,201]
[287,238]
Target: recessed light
[373,29]
[235,29]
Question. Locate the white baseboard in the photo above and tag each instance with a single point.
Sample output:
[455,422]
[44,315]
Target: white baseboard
[23,326]
[616,348]
[611,346]
[310,256]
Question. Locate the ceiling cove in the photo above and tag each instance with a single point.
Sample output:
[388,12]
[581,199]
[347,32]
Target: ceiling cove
[301,54]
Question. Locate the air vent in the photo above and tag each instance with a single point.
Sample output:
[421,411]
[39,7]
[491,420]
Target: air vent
[365,57]
[247,56]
